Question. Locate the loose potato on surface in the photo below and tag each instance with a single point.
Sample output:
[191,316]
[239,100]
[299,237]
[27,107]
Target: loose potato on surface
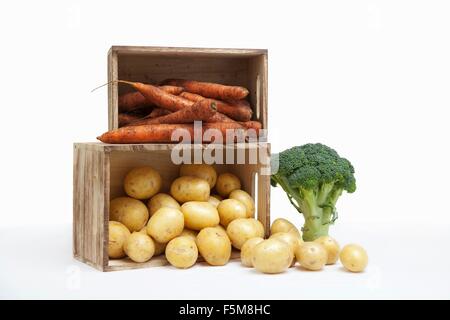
[290,239]
[131,212]
[226,183]
[354,258]
[247,251]
[161,200]
[165,224]
[283,225]
[182,252]
[199,215]
[231,209]
[331,246]
[187,188]
[139,247]
[203,171]
[214,201]
[118,235]
[214,246]
[311,255]
[189,233]
[246,199]
[240,230]
[142,183]
[272,256]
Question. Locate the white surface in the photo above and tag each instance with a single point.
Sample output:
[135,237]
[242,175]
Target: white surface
[369,78]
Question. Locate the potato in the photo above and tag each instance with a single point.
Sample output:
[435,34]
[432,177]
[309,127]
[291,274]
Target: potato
[187,188]
[199,215]
[331,246]
[131,212]
[246,199]
[159,247]
[139,247]
[272,256]
[354,258]
[214,201]
[229,210]
[221,229]
[142,183]
[226,183]
[203,171]
[290,239]
[118,235]
[240,230]
[214,246]
[311,255]
[218,197]
[189,233]
[161,200]
[182,252]
[165,224]
[247,251]
[283,225]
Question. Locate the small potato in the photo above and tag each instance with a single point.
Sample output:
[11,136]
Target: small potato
[159,247]
[189,233]
[272,256]
[187,188]
[214,246]
[283,225]
[331,246]
[214,201]
[182,252]
[203,171]
[118,235]
[131,212]
[226,183]
[165,224]
[221,229]
[246,199]
[290,239]
[139,247]
[199,215]
[161,200]
[229,210]
[354,258]
[218,197]
[247,251]
[142,183]
[311,255]
[240,230]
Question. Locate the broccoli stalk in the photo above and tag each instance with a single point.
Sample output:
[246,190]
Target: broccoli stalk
[313,177]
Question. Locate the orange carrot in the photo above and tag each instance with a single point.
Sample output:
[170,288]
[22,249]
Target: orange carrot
[256,125]
[158,112]
[172,89]
[238,103]
[191,96]
[220,117]
[134,100]
[210,90]
[125,119]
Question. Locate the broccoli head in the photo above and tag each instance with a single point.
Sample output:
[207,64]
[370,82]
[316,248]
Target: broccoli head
[313,177]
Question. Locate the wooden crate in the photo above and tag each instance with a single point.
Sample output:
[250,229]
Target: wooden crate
[243,67]
[99,170]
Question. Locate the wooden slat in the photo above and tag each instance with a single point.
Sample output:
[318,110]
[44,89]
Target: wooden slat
[222,52]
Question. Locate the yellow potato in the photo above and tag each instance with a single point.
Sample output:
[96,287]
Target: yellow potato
[199,215]
[221,229]
[139,247]
[218,197]
[311,255]
[331,246]
[354,258]
[214,201]
[131,212]
[247,251]
[240,230]
[290,239]
[165,224]
[229,210]
[182,252]
[159,247]
[203,171]
[226,183]
[118,235]
[189,233]
[272,256]
[214,246]
[187,188]
[142,183]
[283,225]
[161,200]
[246,199]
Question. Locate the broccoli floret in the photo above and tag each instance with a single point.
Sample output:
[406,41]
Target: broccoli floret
[313,177]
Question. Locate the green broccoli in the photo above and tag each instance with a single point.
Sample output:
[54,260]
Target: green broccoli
[313,177]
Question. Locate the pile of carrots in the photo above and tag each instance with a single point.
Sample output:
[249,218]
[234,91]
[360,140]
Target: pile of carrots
[152,113]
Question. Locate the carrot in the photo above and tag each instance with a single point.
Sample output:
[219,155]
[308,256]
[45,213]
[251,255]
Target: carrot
[172,89]
[238,103]
[131,101]
[199,111]
[125,119]
[220,117]
[210,90]
[256,125]
[158,112]
[191,96]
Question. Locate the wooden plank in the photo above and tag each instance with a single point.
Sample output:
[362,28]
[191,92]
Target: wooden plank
[112,90]
[186,51]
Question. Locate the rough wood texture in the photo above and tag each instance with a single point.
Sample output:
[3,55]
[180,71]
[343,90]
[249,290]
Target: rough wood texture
[243,67]
[99,170]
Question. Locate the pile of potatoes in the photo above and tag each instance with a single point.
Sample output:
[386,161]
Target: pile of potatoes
[205,213]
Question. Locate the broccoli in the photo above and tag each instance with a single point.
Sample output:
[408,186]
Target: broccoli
[313,177]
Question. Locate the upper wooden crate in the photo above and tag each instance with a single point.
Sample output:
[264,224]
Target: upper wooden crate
[243,67]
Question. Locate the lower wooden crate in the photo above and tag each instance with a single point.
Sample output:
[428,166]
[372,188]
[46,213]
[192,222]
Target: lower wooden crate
[99,170]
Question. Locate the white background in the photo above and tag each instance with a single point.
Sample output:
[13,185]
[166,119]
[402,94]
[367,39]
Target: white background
[369,78]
